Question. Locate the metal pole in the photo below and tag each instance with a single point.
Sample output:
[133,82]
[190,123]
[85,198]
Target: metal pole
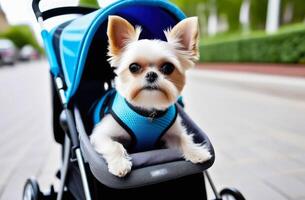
[244,16]
[83,173]
[212,19]
[64,169]
[273,16]
[212,185]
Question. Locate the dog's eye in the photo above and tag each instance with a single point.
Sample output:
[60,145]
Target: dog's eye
[134,68]
[167,68]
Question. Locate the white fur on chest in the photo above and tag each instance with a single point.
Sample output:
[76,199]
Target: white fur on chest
[108,127]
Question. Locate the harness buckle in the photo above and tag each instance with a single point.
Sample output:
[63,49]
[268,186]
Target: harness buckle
[152,115]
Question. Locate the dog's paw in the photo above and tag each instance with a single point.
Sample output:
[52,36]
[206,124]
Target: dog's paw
[120,167]
[197,154]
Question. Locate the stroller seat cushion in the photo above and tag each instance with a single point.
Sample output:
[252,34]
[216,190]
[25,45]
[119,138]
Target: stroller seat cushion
[145,129]
[148,164]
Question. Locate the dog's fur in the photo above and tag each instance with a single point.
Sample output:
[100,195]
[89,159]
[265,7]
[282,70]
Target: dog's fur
[125,48]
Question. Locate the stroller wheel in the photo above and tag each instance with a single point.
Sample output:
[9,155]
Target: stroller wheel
[31,190]
[231,194]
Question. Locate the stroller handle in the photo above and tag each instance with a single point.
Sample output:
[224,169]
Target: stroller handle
[59,11]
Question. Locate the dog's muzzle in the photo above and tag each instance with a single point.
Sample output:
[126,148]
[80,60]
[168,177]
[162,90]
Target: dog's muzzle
[151,77]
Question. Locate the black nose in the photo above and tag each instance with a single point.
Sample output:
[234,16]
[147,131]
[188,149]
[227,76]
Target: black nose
[151,77]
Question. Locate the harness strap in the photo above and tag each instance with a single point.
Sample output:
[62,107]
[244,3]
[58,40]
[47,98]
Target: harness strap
[145,131]
[102,107]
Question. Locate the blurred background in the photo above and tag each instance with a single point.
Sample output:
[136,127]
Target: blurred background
[247,93]
[233,30]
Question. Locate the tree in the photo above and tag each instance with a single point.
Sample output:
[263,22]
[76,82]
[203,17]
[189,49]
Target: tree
[21,35]
[189,6]
[90,3]
[230,9]
[297,9]
[258,14]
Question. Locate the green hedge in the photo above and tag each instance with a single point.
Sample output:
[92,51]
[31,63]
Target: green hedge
[287,46]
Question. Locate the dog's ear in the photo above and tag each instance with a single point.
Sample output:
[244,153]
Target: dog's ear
[185,35]
[120,32]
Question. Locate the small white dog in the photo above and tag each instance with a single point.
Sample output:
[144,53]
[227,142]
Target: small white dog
[150,78]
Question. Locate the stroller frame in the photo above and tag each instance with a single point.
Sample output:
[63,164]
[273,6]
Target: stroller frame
[72,149]
[67,120]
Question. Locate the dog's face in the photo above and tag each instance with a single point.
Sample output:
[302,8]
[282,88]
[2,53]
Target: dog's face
[151,73]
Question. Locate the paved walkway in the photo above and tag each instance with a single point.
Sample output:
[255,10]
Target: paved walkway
[26,143]
[258,133]
[257,130]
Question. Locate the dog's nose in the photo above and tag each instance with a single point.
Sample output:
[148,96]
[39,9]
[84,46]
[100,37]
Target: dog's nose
[151,77]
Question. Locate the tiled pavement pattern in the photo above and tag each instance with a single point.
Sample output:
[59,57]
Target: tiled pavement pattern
[259,138]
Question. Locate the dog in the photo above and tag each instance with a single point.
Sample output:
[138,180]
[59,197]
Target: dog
[150,78]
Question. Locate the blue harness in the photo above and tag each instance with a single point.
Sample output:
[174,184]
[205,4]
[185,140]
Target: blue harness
[145,131]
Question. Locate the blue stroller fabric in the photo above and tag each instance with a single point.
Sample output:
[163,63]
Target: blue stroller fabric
[145,131]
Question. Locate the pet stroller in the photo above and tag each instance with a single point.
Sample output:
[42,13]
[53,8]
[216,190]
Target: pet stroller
[76,51]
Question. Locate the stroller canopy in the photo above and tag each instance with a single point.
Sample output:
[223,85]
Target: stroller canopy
[74,40]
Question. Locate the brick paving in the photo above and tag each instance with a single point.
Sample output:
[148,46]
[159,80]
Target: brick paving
[297,70]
